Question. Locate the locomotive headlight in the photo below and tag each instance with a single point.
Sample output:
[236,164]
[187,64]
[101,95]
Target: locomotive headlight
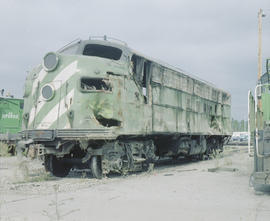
[47,92]
[50,61]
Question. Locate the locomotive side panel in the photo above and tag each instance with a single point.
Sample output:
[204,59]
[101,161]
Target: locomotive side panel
[185,105]
[133,113]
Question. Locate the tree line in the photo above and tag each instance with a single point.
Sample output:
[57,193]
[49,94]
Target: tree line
[239,126]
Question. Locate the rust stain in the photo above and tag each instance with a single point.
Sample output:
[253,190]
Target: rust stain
[120,113]
[119,94]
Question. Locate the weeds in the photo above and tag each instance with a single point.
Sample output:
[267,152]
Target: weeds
[37,178]
[27,171]
[4,150]
[27,177]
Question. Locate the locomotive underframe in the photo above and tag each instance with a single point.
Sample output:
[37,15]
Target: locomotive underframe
[121,154]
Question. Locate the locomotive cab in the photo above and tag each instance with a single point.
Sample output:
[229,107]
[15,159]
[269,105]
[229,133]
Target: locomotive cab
[80,80]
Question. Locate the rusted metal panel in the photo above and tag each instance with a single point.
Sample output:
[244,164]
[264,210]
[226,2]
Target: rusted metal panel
[167,100]
[200,108]
[164,119]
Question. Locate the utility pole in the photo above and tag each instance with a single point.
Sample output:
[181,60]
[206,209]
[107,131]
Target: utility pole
[260,16]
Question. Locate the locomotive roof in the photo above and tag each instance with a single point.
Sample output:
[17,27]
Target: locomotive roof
[126,49]
[164,64]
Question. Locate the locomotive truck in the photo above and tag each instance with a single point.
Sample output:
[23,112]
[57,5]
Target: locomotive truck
[259,128]
[98,104]
[11,110]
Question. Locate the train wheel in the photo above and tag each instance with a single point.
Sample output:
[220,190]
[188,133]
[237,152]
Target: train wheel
[56,167]
[95,166]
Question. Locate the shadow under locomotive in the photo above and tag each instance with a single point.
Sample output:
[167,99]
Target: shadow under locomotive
[159,165]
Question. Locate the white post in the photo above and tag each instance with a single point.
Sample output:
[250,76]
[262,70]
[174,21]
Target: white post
[249,133]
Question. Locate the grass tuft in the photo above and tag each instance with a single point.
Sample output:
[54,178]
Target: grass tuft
[4,150]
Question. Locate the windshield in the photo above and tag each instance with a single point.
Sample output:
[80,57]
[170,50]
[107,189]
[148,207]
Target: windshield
[102,51]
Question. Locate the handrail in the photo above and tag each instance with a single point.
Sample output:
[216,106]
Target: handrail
[7,99]
[106,38]
[77,40]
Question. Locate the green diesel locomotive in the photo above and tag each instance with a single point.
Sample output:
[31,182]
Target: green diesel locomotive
[259,125]
[99,104]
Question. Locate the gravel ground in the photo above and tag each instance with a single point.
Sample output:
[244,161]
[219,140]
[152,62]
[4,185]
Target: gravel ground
[216,189]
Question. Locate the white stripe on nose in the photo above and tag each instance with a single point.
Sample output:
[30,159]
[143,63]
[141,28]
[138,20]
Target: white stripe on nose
[52,116]
[41,76]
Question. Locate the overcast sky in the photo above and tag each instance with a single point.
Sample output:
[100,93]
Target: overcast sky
[214,40]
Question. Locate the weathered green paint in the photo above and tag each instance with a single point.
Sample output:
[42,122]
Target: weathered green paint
[119,113]
[10,115]
[266,105]
[176,102]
